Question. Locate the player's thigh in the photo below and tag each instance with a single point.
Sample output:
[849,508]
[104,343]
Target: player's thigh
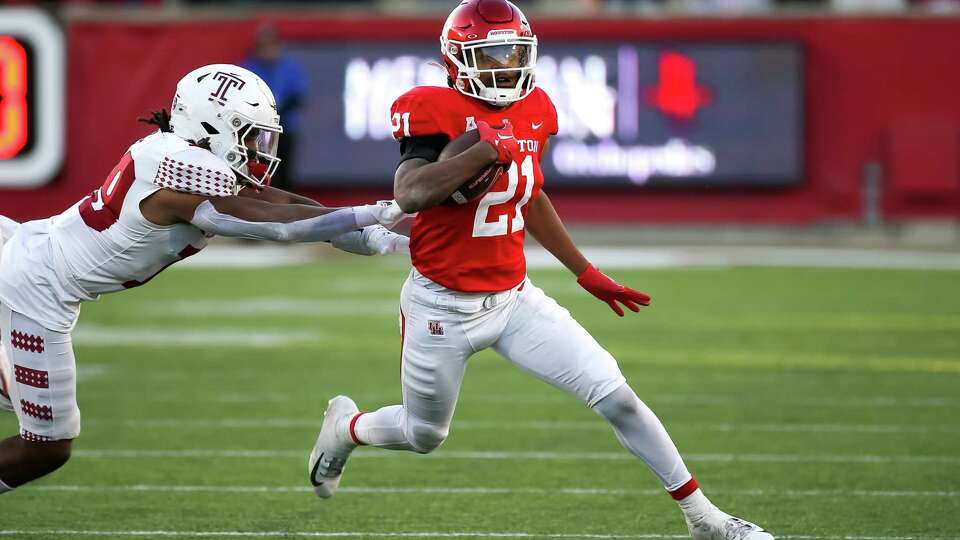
[434,356]
[43,382]
[543,339]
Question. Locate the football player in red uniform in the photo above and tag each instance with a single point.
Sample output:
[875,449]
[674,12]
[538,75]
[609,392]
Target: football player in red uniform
[469,291]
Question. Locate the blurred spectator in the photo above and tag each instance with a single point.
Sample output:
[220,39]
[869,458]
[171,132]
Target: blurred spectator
[869,5]
[938,6]
[289,84]
[724,6]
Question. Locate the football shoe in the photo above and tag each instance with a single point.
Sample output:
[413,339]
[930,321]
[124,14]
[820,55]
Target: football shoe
[718,525]
[333,446]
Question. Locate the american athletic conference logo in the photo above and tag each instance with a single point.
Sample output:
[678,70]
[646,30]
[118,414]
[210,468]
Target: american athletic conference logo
[227,81]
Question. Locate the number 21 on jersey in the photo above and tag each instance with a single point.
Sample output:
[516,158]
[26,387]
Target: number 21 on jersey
[489,204]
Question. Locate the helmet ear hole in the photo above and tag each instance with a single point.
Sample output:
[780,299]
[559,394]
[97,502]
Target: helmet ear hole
[209,129]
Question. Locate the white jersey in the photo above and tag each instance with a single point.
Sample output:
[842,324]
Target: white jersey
[104,244]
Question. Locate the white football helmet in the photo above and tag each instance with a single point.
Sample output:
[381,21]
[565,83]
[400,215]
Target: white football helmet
[235,110]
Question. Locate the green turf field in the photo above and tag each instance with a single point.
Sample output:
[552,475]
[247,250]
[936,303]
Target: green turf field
[818,403]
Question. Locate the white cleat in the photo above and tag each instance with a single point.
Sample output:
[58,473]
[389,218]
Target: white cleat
[333,447]
[719,525]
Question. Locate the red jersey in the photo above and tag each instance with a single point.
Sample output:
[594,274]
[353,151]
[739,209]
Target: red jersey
[477,246]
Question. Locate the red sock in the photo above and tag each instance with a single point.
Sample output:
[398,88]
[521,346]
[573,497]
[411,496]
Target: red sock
[685,490]
[353,424]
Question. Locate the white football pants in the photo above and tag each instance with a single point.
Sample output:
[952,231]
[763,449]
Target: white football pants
[41,374]
[441,329]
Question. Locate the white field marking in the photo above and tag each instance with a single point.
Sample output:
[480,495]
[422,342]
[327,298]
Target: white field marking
[423,534]
[519,456]
[86,372]
[149,488]
[91,335]
[762,428]
[249,256]
[246,256]
[727,256]
[592,425]
[698,399]
[247,307]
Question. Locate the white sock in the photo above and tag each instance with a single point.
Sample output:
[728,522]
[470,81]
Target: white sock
[4,488]
[383,428]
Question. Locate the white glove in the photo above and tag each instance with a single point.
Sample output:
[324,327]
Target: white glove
[372,240]
[386,213]
[384,242]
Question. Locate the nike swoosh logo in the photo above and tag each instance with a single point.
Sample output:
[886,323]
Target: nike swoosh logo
[313,473]
[504,138]
[538,126]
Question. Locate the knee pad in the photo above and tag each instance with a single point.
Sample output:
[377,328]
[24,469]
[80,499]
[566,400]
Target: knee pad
[424,437]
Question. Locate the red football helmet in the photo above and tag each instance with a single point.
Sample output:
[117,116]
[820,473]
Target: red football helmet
[490,51]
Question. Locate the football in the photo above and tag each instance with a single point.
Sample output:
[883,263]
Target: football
[476,187]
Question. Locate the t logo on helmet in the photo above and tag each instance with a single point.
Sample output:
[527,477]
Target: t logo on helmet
[227,81]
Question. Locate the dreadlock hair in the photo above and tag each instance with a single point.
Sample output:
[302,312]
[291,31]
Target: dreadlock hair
[161,119]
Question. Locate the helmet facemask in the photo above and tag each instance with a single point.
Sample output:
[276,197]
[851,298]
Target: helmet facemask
[498,70]
[253,155]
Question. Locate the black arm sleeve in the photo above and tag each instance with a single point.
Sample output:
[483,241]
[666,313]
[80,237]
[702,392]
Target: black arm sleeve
[426,147]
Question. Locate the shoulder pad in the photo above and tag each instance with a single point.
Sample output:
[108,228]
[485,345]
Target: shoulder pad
[422,111]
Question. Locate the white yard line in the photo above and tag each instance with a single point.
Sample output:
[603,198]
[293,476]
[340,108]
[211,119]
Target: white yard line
[91,371]
[259,256]
[424,534]
[879,401]
[153,488]
[231,255]
[519,456]
[246,307]
[696,399]
[546,425]
[92,335]
[727,256]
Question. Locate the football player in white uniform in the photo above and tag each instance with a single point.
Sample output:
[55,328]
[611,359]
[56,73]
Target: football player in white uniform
[203,173]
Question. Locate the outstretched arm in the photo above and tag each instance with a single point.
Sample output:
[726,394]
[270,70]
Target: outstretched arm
[245,217]
[544,224]
[372,240]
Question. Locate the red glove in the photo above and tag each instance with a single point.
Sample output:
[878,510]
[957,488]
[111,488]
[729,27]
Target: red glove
[598,284]
[501,139]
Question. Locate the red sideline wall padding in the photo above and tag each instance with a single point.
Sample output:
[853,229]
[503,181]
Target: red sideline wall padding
[875,89]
